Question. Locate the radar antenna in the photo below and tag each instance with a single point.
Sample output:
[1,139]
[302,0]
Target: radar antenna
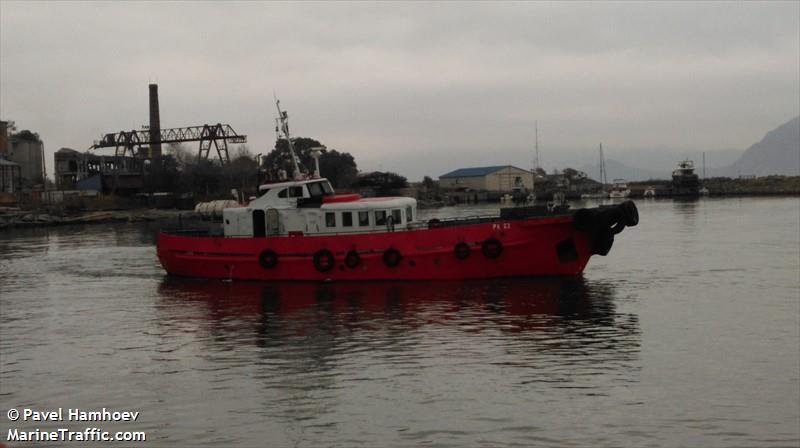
[283,118]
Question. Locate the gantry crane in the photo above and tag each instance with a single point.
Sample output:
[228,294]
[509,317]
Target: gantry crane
[217,135]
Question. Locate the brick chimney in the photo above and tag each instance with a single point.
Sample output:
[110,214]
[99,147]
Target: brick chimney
[155,123]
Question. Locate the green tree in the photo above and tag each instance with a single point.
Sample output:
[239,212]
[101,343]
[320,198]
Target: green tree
[382,182]
[573,174]
[338,167]
[241,173]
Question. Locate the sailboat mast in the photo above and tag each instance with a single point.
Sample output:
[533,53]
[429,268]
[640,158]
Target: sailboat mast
[704,165]
[603,179]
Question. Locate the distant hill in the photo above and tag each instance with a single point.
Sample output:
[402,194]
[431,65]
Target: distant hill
[777,153]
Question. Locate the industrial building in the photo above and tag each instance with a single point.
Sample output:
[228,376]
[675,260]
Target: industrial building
[137,154]
[21,163]
[501,178]
[105,174]
[27,150]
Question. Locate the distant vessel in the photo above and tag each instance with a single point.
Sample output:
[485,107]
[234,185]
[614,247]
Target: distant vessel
[649,192]
[684,180]
[619,190]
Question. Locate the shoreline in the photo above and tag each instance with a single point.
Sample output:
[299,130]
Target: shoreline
[26,219]
[19,219]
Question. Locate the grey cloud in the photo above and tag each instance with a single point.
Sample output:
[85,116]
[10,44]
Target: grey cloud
[399,84]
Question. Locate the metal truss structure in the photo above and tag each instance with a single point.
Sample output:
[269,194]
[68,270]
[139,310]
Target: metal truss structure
[218,136]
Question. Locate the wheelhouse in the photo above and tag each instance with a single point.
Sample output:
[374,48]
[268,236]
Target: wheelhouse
[312,207]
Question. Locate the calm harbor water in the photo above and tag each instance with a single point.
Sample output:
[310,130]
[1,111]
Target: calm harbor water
[687,334]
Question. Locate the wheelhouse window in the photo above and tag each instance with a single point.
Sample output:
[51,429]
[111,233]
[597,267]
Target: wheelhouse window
[397,217]
[296,192]
[363,219]
[330,219]
[283,193]
[409,214]
[347,219]
[380,217]
[316,189]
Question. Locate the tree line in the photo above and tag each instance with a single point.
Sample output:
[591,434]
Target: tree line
[181,172]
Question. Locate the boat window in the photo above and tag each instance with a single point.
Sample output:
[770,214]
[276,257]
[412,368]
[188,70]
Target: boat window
[296,192]
[347,219]
[330,219]
[320,189]
[315,189]
[396,216]
[363,219]
[283,192]
[380,217]
[409,214]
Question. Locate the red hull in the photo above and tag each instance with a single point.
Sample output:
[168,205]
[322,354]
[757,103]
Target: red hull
[530,247]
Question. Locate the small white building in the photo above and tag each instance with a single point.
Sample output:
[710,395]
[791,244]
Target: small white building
[501,178]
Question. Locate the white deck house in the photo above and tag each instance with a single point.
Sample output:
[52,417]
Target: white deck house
[310,207]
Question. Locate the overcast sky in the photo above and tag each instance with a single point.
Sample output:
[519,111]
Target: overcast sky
[419,88]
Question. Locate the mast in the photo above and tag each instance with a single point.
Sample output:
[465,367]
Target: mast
[704,165]
[536,135]
[536,154]
[283,117]
[603,175]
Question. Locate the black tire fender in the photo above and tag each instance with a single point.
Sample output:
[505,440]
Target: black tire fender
[630,213]
[585,220]
[392,257]
[352,259]
[268,259]
[461,251]
[602,240]
[491,248]
[323,260]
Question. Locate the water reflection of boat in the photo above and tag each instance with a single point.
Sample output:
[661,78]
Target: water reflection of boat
[306,342]
[564,297]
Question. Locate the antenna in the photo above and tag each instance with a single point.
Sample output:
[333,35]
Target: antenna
[283,117]
[536,134]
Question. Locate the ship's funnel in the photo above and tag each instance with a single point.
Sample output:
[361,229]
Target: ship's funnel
[155,123]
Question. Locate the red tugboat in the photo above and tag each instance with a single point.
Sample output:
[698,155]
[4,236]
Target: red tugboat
[302,230]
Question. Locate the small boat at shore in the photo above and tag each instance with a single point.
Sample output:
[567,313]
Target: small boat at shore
[302,229]
[619,190]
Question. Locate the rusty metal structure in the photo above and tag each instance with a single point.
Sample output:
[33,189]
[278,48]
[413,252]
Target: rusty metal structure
[140,143]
